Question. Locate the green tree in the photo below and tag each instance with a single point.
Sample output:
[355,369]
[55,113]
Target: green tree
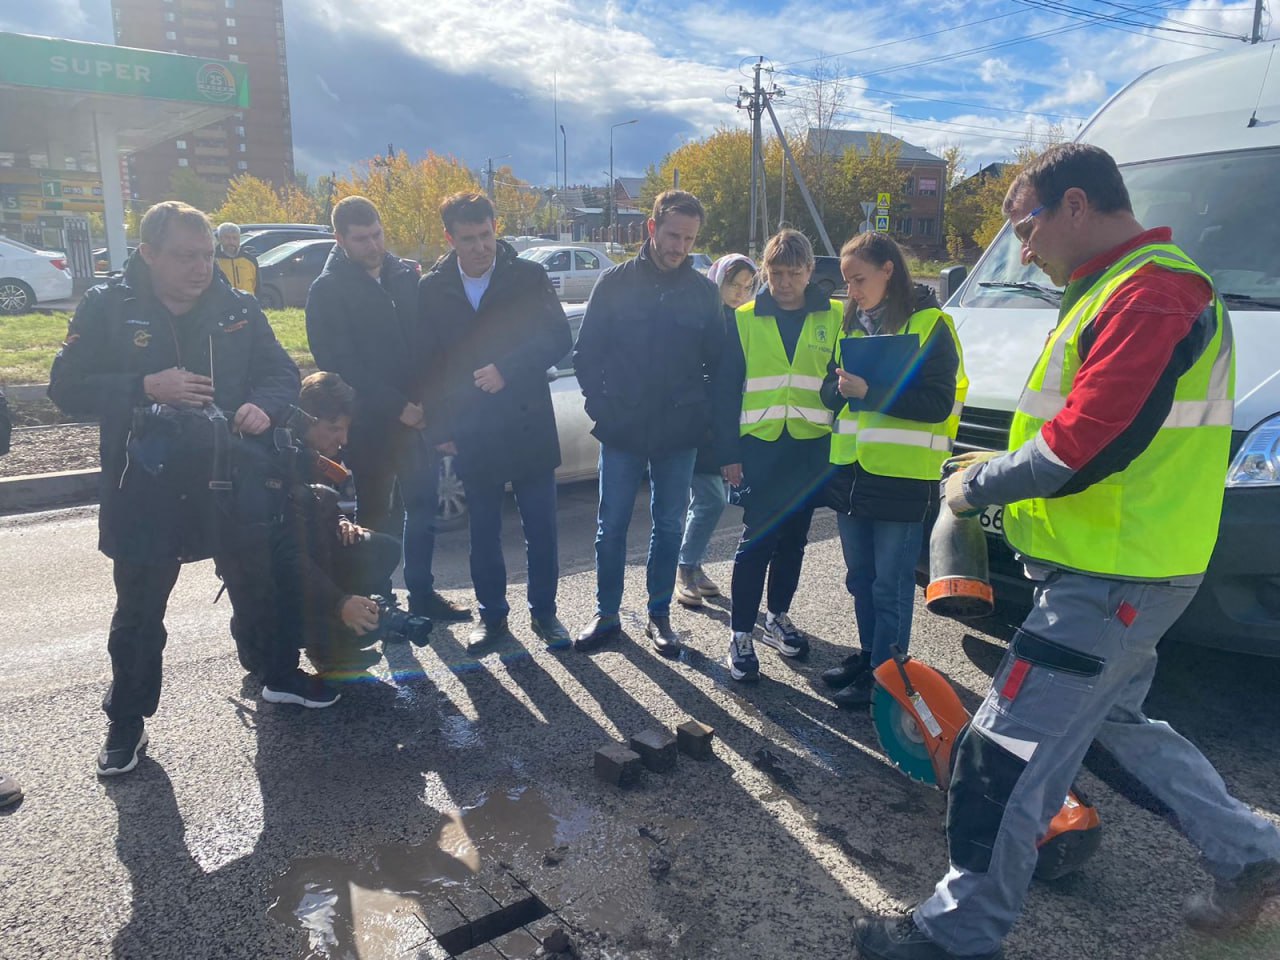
[718,171]
[251,200]
[189,187]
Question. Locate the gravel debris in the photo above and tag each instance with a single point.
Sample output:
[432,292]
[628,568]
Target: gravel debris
[51,449]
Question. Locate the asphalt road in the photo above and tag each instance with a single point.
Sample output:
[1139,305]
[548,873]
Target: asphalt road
[443,786]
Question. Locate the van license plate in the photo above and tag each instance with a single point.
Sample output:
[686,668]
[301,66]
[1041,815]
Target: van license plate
[992,520]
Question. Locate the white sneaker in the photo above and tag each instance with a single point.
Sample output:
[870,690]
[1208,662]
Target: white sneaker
[742,660]
[781,634]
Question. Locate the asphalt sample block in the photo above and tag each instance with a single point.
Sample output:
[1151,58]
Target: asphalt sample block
[657,749]
[618,765]
[694,739]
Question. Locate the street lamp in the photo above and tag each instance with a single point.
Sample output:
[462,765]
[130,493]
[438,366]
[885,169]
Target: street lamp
[564,142]
[613,203]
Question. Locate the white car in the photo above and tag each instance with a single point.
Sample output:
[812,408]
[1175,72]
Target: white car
[29,276]
[573,268]
[579,450]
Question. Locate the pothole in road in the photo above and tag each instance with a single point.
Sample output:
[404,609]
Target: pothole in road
[494,880]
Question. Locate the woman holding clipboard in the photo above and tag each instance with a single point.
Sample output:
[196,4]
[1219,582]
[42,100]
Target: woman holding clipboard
[896,382]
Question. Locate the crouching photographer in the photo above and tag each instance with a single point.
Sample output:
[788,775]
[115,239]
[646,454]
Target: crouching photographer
[326,569]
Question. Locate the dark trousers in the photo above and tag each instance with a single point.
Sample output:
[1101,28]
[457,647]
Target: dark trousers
[536,499]
[244,564]
[137,637]
[378,468]
[358,570]
[774,549]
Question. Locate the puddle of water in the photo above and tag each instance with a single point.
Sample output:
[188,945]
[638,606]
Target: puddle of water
[384,903]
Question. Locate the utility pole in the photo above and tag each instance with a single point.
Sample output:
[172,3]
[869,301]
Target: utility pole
[1256,36]
[488,180]
[804,188]
[555,122]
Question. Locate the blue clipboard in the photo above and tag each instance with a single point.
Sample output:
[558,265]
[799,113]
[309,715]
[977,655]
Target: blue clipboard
[881,361]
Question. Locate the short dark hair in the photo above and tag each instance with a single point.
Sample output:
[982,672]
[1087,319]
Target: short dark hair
[466,207]
[354,212]
[677,201]
[326,396]
[1067,165]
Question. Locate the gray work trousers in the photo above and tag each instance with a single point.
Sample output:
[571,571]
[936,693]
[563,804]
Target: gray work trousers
[1078,670]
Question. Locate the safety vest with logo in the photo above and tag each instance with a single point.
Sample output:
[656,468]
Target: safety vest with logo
[894,447]
[1158,518]
[786,392]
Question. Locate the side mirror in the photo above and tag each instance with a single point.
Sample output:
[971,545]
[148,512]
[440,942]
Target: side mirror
[952,279]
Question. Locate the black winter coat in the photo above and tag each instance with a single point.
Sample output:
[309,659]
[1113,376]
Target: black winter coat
[648,356]
[119,334]
[519,327]
[366,331]
[928,398]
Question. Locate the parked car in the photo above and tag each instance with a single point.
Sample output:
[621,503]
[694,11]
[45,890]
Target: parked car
[102,259]
[701,262]
[827,275]
[285,272]
[573,268]
[313,227]
[29,276]
[579,450]
[1197,142]
[259,242]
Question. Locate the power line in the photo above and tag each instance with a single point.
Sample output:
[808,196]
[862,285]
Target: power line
[957,103]
[1113,22]
[861,113]
[890,43]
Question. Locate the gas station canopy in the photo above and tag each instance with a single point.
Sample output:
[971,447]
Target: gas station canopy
[95,102]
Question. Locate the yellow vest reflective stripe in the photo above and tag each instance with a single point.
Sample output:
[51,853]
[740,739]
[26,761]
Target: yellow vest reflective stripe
[893,447]
[780,392]
[1158,518]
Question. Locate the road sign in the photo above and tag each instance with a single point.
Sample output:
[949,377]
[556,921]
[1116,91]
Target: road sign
[882,200]
[882,223]
[867,207]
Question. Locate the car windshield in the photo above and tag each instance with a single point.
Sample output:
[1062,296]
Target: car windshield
[282,252]
[1221,214]
[539,254]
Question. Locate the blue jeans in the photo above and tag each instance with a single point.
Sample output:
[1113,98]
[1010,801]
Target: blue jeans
[620,476]
[880,560]
[708,496]
[536,500]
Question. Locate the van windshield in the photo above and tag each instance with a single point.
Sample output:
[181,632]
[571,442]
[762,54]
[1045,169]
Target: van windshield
[1222,213]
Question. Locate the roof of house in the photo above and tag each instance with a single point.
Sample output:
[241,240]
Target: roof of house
[632,185]
[838,141]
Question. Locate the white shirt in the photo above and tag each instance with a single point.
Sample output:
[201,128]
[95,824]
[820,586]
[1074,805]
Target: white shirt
[476,286]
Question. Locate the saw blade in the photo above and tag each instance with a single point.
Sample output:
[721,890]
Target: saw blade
[901,737]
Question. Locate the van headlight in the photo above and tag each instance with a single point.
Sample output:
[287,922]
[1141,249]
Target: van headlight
[1257,464]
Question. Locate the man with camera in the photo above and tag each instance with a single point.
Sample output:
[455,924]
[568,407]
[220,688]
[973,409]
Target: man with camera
[156,356]
[327,570]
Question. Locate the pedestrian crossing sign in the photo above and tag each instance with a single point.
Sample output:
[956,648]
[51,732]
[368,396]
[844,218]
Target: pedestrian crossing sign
[882,224]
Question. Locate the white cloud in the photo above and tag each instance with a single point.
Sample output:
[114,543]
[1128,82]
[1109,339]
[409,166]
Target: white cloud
[1079,88]
[995,70]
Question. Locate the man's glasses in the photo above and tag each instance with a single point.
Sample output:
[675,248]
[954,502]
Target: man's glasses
[1022,229]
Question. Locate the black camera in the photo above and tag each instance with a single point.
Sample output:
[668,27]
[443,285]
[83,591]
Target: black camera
[397,626]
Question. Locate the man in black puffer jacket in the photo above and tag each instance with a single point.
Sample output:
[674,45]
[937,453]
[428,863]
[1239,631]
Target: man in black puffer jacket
[155,355]
[362,324]
[497,328]
[647,359]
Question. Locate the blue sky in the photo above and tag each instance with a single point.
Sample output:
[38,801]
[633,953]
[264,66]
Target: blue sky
[474,79]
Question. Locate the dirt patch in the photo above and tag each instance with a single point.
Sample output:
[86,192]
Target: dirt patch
[51,449]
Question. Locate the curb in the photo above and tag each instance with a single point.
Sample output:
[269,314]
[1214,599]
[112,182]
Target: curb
[47,491]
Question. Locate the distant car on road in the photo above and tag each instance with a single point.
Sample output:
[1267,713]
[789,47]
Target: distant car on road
[29,276]
[579,450]
[701,261]
[285,272]
[573,268]
[259,242]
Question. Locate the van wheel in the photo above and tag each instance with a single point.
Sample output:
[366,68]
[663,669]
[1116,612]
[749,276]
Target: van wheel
[451,514]
[16,297]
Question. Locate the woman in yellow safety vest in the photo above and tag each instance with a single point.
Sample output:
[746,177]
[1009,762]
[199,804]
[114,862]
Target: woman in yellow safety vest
[896,420]
[773,371]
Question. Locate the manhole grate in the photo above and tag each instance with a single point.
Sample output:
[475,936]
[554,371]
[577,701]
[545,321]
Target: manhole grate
[491,926]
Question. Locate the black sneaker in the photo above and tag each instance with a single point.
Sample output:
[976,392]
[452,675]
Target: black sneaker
[10,790]
[552,632]
[599,631]
[438,607]
[857,695]
[1234,903]
[849,670]
[335,666]
[487,634]
[301,689]
[126,739]
[898,938]
[665,640]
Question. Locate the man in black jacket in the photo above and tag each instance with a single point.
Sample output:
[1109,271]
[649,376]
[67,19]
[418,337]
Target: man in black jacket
[497,328]
[362,324]
[151,355]
[647,357]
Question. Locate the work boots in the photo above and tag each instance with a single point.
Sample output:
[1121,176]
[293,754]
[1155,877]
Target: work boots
[1235,903]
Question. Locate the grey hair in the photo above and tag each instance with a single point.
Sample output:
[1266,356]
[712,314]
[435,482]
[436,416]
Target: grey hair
[228,227]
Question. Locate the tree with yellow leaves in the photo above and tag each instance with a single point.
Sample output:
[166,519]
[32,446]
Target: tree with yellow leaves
[251,200]
[408,194]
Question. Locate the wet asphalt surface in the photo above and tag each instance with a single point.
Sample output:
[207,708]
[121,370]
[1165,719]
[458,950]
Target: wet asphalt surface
[443,788]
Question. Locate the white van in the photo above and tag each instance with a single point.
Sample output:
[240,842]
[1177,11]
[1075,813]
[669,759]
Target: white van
[1198,143]
[573,268]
